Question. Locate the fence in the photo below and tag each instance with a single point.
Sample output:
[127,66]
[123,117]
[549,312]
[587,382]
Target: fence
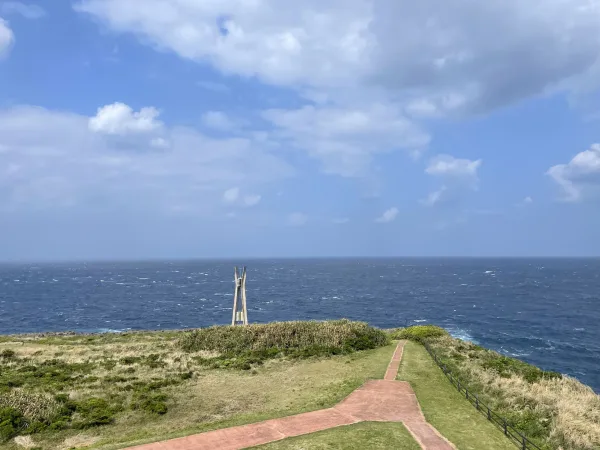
[523,442]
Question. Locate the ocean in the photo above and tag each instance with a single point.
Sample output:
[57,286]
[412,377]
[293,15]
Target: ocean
[543,311]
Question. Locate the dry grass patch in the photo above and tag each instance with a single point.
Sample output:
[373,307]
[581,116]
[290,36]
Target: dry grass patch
[556,411]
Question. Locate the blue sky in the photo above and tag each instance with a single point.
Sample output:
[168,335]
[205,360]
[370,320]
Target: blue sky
[181,129]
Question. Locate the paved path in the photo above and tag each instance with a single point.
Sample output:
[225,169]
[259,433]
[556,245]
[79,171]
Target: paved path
[384,400]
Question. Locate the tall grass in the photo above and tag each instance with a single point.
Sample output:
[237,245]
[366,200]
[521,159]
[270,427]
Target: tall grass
[340,336]
[557,411]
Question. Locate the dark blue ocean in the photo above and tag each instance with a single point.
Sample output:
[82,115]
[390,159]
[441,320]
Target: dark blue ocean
[544,311]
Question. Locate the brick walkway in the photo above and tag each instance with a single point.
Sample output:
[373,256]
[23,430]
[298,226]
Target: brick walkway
[384,400]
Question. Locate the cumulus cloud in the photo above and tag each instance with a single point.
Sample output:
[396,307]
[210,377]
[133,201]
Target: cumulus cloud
[29,11]
[297,219]
[449,166]
[345,140]
[120,119]
[580,176]
[388,216]
[444,56]
[7,38]
[50,159]
[458,174]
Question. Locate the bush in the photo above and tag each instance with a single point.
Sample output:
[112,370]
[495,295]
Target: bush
[299,338]
[93,412]
[8,354]
[418,332]
[11,422]
[146,400]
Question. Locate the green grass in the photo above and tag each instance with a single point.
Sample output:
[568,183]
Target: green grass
[367,435]
[444,407]
[110,391]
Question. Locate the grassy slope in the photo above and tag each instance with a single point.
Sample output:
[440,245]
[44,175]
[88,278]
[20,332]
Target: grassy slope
[212,398]
[368,435]
[444,407]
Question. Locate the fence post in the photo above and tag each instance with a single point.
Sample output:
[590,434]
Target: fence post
[467,393]
[458,385]
[524,442]
[489,414]
[504,423]
[477,402]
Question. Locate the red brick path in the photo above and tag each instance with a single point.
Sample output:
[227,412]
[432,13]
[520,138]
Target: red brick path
[384,400]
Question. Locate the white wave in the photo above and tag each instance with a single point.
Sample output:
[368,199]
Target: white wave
[489,271]
[461,334]
[420,320]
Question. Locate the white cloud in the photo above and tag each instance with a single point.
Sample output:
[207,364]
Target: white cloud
[119,119]
[388,216]
[459,176]
[252,200]
[29,11]
[345,140]
[447,165]
[231,195]
[7,38]
[53,159]
[579,176]
[434,197]
[217,120]
[461,55]
[297,219]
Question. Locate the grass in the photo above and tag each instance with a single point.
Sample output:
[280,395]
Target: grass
[555,411]
[108,391]
[367,435]
[444,407]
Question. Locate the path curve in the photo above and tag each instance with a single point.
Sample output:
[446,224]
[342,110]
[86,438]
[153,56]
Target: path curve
[384,400]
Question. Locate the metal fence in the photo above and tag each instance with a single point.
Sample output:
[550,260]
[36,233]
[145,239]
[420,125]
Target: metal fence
[522,441]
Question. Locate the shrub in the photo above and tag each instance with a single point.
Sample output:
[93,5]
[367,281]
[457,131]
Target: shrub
[8,354]
[11,422]
[146,400]
[418,332]
[93,412]
[299,338]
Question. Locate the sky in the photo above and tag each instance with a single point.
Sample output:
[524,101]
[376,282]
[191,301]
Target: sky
[134,129]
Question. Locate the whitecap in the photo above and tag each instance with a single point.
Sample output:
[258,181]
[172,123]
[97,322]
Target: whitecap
[489,271]
[420,320]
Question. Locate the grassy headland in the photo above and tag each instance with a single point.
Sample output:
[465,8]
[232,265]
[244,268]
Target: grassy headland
[115,390]
[112,390]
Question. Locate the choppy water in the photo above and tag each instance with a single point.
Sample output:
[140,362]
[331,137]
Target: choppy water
[544,311]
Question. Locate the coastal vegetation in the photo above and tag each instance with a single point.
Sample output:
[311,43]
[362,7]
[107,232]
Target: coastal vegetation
[553,410]
[64,391]
[112,390]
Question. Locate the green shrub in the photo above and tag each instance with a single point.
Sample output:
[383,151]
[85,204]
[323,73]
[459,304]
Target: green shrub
[148,401]
[8,354]
[418,332]
[11,423]
[299,338]
[94,412]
